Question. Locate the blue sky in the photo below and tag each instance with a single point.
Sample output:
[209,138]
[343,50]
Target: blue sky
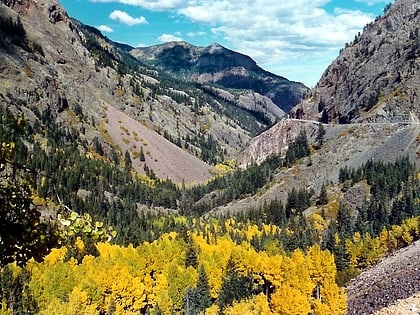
[296,39]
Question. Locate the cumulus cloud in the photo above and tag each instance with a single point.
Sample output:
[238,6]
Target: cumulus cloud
[372,2]
[272,30]
[195,34]
[127,19]
[156,5]
[165,38]
[266,29]
[106,29]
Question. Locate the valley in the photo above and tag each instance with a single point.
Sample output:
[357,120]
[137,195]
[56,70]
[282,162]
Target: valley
[177,179]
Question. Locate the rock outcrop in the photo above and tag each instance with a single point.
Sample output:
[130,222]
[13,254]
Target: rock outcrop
[375,78]
[394,278]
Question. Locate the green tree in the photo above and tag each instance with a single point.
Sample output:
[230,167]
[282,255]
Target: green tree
[142,157]
[235,286]
[323,197]
[23,234]
[127,161]
[320,134]
[198,299]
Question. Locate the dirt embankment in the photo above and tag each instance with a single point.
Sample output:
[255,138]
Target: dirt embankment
[391,287]
[163,157]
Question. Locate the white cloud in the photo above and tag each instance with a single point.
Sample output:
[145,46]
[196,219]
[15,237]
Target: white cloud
[196,34]
[169,38]
[106,29]
[125,18]
[272,31]
[372,2]
[156,5]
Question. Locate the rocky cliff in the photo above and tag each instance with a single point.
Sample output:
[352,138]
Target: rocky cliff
[375,78]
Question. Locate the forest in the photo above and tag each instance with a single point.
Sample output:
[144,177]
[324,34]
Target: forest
[73,240]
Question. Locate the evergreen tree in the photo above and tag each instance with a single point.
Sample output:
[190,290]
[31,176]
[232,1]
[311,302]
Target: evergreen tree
[127,161]
[323,197]
[198,299]
[142,157]
[235,286]
[320,134]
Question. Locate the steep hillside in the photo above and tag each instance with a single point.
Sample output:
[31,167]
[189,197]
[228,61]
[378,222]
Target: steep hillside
[57,71]
[359,87]
[371,292]
[151,150]
[375,78]
[342,145]
[218,65]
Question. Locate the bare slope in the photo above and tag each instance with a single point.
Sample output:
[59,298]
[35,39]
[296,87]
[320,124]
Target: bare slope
[163,157]
[394,278]
[344,145]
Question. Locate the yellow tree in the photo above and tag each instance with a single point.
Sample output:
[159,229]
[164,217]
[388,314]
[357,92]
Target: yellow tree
[287,300]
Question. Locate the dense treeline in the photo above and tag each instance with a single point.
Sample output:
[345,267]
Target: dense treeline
[177,274]
[75,174]
[394,188]
[243,182]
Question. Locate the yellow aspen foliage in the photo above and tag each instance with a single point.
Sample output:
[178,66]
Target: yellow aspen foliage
[5,311]
[318,223]
[385,240]
[78,303]
[179,279]
[252,306]
[212,310]
[52,282]
[332,300]
[287,300]
[153,276]
[297,274]
[272,269]
[214,258]
[79,244]
[320,264]
[364,252]
[273,247]
[354,249]
[56,255]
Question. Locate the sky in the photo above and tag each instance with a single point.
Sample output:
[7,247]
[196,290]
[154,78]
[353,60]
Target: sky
[296,39]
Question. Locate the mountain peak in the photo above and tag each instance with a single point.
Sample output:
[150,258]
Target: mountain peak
[219,65]
[215,48]
[375,78]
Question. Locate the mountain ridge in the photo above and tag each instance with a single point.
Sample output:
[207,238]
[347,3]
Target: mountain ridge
[59,70]
[216,64]
[375,77]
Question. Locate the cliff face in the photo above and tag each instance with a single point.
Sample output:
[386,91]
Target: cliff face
[375,78]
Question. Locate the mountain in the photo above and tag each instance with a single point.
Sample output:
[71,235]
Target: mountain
[375,78]
[218,65]
[206,212]
[57,71]
[373,82]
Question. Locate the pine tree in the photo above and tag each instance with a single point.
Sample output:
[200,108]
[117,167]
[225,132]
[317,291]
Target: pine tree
[127,161]
[235,286]
[198,299]
[323,197]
